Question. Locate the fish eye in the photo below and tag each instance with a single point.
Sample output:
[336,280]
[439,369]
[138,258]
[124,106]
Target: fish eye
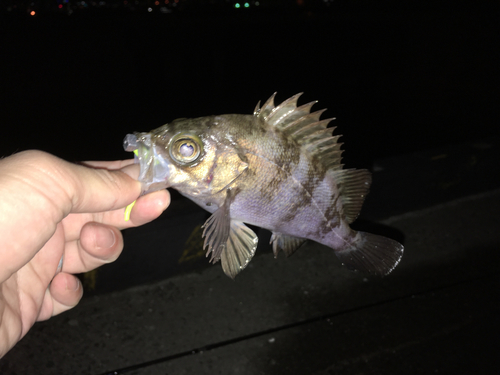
[185,149]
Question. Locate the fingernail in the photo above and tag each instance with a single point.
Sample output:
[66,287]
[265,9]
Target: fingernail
[72,284]
[104,237]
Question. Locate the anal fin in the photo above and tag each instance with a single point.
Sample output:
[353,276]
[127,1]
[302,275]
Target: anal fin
[286,243]
[372,253]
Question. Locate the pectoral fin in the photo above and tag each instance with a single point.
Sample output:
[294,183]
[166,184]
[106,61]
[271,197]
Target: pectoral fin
[216,230]
[286,243]
[239,250]
[229,240]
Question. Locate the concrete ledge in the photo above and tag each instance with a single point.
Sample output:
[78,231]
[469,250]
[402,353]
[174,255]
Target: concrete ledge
[437,312]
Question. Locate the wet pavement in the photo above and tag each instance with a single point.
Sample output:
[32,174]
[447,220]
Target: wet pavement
[436,313]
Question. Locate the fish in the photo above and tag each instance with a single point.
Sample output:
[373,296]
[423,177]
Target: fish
[279,169]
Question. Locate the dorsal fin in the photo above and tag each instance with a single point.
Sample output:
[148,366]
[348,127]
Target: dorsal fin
[312,134]
[305,128]
[353,185]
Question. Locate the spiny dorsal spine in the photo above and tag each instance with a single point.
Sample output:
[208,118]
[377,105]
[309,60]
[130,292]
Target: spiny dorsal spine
[313,135]
[305,127]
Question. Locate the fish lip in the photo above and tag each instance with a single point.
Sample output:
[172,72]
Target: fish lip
[130,142]
[154,169]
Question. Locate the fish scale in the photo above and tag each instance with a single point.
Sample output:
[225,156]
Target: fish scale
[279,169]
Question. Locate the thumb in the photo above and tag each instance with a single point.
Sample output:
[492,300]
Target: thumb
[99,190]
[76,188]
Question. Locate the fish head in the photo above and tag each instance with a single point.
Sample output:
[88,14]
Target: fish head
[191,155]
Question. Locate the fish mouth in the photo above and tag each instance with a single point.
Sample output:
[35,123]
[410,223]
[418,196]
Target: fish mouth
[154,169]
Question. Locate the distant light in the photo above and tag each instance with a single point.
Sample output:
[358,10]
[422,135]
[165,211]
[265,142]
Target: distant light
[246,5]
[237,5]
[60,6]
[157,2]
[150,9]
[257,3]
[32,13]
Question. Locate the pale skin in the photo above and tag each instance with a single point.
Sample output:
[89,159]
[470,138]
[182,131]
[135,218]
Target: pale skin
[50,208]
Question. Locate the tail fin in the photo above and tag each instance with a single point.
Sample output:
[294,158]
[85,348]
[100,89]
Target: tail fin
[372,253]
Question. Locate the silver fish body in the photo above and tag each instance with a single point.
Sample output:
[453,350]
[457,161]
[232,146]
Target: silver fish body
[279,169]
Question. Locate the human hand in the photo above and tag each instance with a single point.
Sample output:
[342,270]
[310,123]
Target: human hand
[52,209]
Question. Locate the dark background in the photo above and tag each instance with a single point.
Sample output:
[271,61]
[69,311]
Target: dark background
[414,88]
[398,76]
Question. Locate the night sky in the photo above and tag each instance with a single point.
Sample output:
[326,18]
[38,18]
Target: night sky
[398,78]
